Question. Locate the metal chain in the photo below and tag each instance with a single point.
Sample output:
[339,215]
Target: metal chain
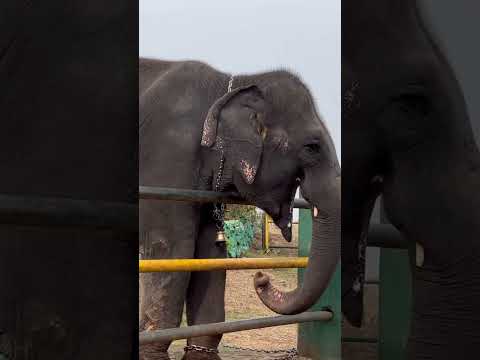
[220,171]
[219,208]
[200,349]
[230,84]
[290,354]
[218,215]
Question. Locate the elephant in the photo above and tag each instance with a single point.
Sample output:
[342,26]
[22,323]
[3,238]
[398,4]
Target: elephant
[68,108]
[407,137]
[259,135]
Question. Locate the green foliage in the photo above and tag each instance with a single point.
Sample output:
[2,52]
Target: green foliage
[241,224]
[239,236]
[245,214]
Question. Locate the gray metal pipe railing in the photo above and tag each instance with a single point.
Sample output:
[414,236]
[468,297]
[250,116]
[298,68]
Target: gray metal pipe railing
[55,211]
[162,193]
[168,335]
[43,211]
[379,235]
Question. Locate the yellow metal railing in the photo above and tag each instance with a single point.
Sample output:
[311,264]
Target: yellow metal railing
[266,232]
[173,265]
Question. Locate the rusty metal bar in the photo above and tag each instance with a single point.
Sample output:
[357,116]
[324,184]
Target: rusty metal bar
[43,211]
[168,335]
[163,193]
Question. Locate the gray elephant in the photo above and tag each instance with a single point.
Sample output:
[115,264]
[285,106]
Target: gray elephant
[406,136]
[259,135]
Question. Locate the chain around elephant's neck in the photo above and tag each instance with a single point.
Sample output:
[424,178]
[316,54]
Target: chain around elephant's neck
[230,84]
[220,147]
[219,208]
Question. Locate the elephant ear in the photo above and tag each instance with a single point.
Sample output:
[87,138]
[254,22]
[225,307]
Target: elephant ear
[241,111]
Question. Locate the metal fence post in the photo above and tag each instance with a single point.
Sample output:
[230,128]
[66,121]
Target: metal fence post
[319,341]
[266,232]
[395,293]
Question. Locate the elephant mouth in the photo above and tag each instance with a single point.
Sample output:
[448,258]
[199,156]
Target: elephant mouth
[285,226]
[284,219]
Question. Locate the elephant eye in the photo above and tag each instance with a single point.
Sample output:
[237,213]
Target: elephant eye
[311,154]
[418,104]
[414,101]
[312,148]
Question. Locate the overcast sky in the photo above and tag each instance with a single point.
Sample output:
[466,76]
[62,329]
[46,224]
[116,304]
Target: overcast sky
[251,36]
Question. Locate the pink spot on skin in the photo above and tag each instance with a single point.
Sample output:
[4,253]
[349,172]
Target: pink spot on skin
[206,130]
[249,171]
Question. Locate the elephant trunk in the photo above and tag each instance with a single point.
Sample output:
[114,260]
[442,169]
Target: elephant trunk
[323,190]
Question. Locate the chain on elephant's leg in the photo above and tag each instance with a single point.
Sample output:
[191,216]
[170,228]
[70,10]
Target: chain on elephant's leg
[196,352]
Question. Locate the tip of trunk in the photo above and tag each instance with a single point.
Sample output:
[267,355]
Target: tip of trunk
[276,300]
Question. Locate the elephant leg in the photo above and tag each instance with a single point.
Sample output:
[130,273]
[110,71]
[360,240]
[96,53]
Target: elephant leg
[206,295]
[162,295]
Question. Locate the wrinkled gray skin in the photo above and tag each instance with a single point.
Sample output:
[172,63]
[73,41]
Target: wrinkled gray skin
[273,140]
[407,136]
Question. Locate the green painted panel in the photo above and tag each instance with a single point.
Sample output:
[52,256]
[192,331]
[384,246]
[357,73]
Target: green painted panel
[395,303]
[320,340]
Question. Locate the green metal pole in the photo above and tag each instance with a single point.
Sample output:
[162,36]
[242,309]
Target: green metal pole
[316,340]
[395,294]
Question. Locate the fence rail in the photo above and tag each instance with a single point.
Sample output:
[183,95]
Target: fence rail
[379,235]
[49,211]
[156,193]
[172,265]
[162,193]
[167,335]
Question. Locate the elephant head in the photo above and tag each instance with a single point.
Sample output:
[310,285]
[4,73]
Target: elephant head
[407,136]
[274,141]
